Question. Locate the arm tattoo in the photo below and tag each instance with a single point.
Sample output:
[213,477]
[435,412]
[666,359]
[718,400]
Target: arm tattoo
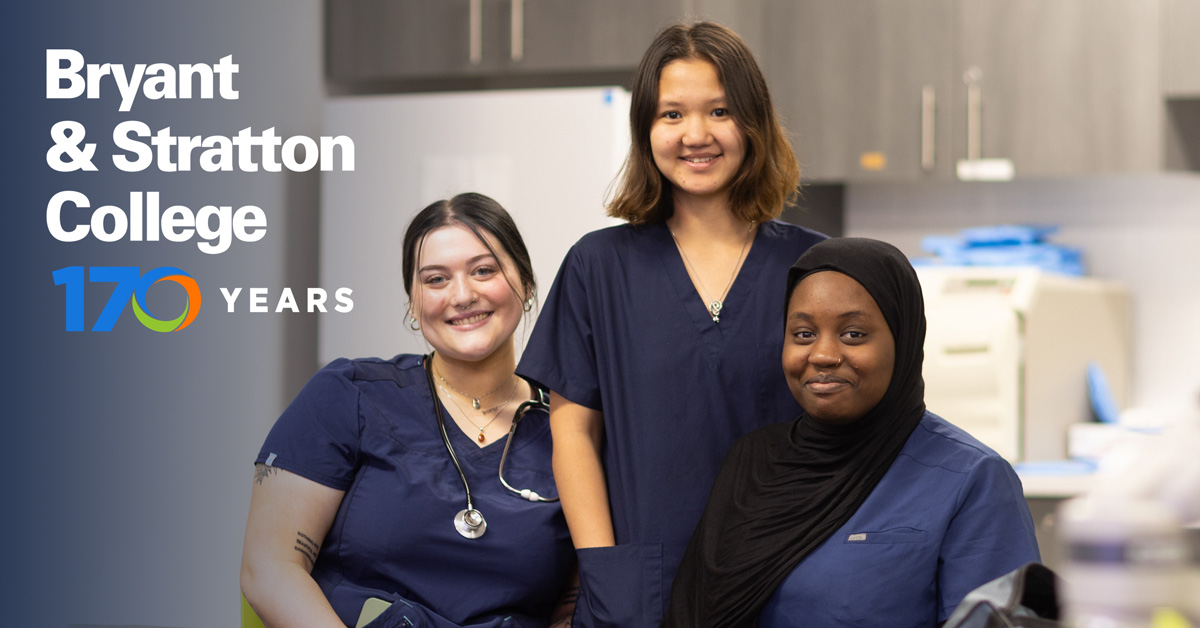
[307,547]
[570,596]
[261,471]
[564,613]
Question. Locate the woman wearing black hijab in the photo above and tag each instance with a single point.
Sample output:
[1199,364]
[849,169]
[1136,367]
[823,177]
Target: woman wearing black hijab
[866,510]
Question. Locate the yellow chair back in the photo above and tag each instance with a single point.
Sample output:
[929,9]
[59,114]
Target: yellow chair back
[249,617]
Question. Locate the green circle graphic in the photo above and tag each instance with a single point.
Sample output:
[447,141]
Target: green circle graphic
[156,325]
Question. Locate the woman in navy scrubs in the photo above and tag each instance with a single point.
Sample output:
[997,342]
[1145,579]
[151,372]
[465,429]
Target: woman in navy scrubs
[659,338]
[867,510]
[356,489]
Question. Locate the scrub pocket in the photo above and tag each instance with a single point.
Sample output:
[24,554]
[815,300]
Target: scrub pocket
[406,614]
[620,586]
[902,586]
[401,614]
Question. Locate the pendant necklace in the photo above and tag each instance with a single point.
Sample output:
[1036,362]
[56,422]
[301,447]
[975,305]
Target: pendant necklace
[714,305]
[495,409]
[474,400]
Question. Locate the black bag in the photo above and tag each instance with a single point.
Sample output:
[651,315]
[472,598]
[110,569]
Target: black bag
[1026,597]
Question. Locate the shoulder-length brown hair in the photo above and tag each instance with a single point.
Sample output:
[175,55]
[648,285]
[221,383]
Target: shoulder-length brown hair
[769,174]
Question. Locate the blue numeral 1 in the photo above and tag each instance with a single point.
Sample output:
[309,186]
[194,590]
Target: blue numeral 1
[73,277]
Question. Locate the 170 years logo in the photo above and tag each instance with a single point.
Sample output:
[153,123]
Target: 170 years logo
[131,288]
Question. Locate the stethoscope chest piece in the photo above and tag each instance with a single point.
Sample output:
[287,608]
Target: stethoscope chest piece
[470,523]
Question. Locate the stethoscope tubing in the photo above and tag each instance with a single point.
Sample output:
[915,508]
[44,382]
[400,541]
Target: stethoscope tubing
[441,420]
[540,403]
[470,522]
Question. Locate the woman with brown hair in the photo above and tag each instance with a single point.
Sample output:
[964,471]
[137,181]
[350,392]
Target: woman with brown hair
[659,339]
[357,510]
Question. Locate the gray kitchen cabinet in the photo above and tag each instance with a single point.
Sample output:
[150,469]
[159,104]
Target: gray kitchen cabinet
[745,17]
[573,35]
[1067,87]
[863,87]
[396,40]
[376,40]
[875,90]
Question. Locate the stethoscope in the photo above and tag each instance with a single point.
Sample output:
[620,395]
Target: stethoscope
[469,522]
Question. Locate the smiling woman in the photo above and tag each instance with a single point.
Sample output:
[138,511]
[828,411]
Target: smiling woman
[470,279]
[838,352]
[866,509]
[659,337]
[697,144]
[357,487]
[463,300]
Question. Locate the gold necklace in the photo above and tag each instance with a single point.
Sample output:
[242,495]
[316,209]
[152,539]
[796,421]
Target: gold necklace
[715,305]
[474,400]
[495,409]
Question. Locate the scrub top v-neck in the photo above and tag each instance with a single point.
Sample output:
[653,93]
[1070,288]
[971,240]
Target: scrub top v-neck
[694,304]
[625,331]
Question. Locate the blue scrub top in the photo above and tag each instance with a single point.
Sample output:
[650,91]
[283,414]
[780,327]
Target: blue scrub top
[948,516]
[624,331]
[367,427]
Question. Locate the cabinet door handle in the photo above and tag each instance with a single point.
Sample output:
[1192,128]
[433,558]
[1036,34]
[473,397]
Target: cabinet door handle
[972,77]
[928,111]
[475,44]
[517,30]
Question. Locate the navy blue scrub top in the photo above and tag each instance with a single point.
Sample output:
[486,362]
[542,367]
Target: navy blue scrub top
[367,427]
[948,516]
[624,331]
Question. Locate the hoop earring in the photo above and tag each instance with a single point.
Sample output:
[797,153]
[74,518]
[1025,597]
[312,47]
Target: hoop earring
[412,323]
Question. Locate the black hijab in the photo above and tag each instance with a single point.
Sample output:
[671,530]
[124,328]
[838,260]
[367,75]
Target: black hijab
[784,489]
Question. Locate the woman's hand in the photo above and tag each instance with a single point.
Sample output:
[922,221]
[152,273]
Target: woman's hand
[578,433]
[289,517]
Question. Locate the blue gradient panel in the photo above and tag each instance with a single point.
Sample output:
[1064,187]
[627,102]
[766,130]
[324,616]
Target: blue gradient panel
[127,453]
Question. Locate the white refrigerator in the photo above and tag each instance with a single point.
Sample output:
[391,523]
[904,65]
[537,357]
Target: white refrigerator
[547,155]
